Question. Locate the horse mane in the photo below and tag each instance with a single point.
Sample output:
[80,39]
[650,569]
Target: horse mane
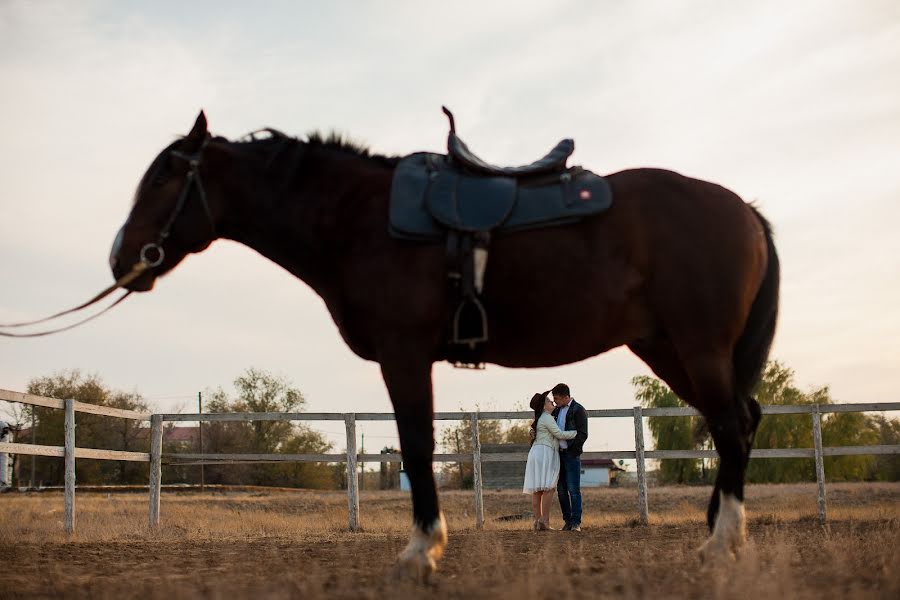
[332,140]
[336,140]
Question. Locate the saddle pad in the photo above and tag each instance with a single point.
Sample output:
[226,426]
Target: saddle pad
[429,196]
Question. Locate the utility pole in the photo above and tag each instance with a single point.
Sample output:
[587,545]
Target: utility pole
[200,435]
[459,451]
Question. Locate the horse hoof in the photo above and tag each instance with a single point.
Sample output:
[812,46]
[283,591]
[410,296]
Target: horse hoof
[418,569]
[729,532]
[712,552]
[418,561]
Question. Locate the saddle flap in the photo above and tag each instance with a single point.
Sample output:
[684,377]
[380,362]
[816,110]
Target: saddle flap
[409,216]
[466,203]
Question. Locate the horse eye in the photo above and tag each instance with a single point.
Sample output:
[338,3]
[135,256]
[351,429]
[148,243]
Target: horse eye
[159,179]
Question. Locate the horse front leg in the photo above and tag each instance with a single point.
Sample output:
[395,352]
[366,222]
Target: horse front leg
[408,379]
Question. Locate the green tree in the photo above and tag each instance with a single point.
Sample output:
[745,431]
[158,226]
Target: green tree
[671,433]
[92,431]
[795,431]
[886,467]
[259,391]
[849,429]
[776,388]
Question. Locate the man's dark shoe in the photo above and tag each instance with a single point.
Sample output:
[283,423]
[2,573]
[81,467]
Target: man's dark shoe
[575,528]
[567,527]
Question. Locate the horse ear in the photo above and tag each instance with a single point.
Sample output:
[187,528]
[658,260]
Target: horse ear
[199,131]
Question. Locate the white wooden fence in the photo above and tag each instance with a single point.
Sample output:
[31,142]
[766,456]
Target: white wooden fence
[156,457]
[69,451]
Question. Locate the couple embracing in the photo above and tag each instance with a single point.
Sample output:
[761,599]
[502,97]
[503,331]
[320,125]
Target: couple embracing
[558,434]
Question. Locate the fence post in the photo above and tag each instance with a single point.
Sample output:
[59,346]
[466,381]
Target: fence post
[70,466]
[476,472]
[820,463]
[352,480]
[156,434]
[641,467]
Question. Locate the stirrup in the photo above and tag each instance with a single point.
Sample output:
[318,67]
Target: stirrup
[471,317]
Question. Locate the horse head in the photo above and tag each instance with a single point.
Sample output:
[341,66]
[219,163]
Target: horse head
[171,215]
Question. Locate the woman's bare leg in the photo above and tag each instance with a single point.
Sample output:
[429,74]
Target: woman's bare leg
[536,506]
[545,507]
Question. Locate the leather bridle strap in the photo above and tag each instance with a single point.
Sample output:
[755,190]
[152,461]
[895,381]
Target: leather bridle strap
[145,262]
[135,272]
[67,327]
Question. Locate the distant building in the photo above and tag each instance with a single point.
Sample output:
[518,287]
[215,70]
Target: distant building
[183,437]
[599,472]
[5,459]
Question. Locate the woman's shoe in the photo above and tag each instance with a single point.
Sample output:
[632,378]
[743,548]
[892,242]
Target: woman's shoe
[536,525]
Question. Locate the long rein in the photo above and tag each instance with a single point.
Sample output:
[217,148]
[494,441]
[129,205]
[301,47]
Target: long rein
[145,262]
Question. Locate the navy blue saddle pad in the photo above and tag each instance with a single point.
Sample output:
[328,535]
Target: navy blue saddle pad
[430,194]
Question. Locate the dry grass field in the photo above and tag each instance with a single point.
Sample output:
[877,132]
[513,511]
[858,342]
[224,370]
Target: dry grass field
[294,544]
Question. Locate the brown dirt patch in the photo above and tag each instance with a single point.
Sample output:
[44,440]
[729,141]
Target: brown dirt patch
[294,544]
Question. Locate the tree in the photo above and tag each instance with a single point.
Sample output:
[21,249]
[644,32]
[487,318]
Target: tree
[795,431]
[457,439]
[776,387]
[671,433]
[92,431]
[886,467]
[259,391]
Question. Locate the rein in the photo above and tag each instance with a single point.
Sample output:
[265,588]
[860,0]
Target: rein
[145,263]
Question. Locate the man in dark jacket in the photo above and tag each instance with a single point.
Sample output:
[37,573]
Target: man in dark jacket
[570,416]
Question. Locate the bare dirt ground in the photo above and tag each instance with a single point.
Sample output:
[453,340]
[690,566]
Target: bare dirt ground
[294,544]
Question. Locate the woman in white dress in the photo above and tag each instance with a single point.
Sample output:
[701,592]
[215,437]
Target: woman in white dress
[542,468]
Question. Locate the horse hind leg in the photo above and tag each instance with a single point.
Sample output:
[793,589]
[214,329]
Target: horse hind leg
[755,414]
[731,423]
[726,516]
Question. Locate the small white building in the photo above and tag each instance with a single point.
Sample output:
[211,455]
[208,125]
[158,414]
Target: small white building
[599,472]
[5,470]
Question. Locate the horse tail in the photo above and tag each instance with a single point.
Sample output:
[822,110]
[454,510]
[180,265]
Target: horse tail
[752,349]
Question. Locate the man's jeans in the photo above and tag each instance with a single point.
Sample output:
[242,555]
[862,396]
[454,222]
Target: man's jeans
[569,488]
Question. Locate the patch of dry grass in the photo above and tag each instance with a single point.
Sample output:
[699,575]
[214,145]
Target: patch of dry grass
[288,544]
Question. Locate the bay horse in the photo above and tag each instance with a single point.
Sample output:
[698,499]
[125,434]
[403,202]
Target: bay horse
[681,271]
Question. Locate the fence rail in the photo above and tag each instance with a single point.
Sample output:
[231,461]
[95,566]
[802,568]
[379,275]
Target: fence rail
[60,452]
[83,407]
[797,409]
[157,458]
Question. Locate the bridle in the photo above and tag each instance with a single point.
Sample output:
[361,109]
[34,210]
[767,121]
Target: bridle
[146,261]
[192,179]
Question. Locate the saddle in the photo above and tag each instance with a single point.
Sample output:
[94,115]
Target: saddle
[462,200]
[554,161]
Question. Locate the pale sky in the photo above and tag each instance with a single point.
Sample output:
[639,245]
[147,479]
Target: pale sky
[795,106]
